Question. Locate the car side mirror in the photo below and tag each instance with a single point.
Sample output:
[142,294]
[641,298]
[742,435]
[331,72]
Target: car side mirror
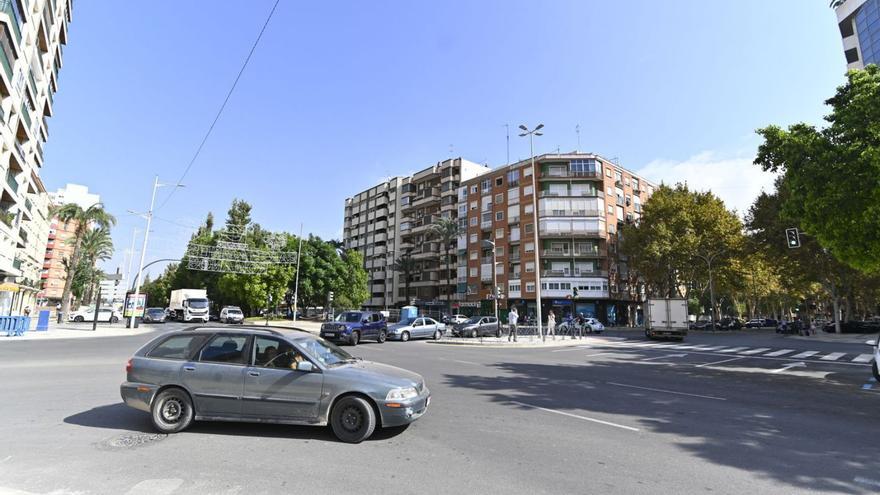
[365,321]
[305,366]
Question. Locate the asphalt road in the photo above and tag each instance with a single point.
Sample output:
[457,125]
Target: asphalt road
[614,416]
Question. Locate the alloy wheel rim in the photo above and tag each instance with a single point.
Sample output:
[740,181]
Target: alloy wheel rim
[172,411]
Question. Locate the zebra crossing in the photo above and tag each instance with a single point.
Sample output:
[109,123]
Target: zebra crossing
[821,356]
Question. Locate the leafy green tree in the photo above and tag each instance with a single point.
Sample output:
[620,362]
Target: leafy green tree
[352,289]
[97,245]
[831,176]
[92,217]
[447,231]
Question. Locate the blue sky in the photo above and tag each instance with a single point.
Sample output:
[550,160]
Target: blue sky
[341,94]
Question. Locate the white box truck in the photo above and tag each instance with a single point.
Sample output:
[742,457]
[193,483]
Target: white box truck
[666,318]
[190,305]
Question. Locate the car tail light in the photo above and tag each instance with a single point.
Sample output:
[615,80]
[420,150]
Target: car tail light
[128,366]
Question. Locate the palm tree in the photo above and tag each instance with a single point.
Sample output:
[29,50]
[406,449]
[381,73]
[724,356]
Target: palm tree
[447,230]
[406,265]
[97,245]
[86,219]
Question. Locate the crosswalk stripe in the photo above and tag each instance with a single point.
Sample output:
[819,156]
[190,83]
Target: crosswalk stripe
[779,352]
[756,351]
[834,356]
[863,358]
[708,348]
[805,354]
[733,349]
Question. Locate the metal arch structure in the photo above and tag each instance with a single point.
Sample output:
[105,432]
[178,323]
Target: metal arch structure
[230,255]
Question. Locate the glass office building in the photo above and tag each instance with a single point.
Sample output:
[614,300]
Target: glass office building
[859,22]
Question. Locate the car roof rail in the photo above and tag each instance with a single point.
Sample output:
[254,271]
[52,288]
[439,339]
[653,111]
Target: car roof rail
[274,330]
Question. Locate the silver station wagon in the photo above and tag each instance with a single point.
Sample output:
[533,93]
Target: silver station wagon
[269,376]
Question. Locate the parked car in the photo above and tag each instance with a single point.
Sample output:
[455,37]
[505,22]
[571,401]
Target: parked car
[105,315]
[854,327]
[755,323]
[268,376]
[231,314]
[730,323]
[478,326]
[416,328]
[354,326]
[154,315]
[456,319]
[770,323]
[594,325]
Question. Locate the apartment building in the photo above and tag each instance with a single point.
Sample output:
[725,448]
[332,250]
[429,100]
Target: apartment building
[859,23]
[393,220]
[60,239]
[32,38]
[582,200]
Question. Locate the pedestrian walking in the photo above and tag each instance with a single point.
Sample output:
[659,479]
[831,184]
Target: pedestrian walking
[512,320]
[579,323]
[551,324]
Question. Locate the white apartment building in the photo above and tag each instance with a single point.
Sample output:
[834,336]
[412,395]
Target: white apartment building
[392,220]
[74,193]
[32,38]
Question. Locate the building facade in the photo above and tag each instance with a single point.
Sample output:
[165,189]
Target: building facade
[393,219]
[60,242]
[582,200]
[32,38]
[859,23]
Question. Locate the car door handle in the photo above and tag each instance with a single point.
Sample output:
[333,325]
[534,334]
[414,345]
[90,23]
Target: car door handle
[254,373]
[189,368]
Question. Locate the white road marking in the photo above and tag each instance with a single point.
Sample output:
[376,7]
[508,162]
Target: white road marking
[863,358]
[585,418]
[156,486]
[779,352]
[834,356]
[756,351]
[664,357]
[665,391]
[733,349]
[466,362]
[718,362]
[799,364]
[867,481]
[804,354]
[708,348]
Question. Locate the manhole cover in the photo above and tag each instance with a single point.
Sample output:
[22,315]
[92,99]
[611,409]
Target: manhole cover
[132,440]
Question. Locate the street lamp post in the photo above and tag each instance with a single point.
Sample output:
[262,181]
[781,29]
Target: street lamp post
[296,284]
[149,217]
[494,277]
[531,134]
[708,259]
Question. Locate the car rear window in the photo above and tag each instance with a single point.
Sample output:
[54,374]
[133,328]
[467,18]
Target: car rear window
[178,347]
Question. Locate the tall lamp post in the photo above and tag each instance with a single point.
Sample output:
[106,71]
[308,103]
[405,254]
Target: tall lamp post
[494,276]
[149,217]
[531,134]
[709,259]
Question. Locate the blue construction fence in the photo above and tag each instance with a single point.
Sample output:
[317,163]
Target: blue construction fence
[14,325]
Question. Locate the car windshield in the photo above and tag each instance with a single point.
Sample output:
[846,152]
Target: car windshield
[349,317]
[233,311]
[198,303]
[475,319]
[155,311]
[407,321]
[326,353]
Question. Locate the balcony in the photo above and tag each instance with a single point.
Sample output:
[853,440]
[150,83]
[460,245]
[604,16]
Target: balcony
[10,8]
[571,232]
[570,213]
[7,64]
[11,181]
[511,220]
[514,256]
[570,174]
[572,194]
[573,274]
[26,115]
[486,225]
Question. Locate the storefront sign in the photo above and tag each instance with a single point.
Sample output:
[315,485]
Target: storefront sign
[9,288]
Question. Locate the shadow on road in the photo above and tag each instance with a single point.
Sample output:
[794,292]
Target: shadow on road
[121,417]
[781,428]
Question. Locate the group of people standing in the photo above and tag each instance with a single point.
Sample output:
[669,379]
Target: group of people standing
[576,323]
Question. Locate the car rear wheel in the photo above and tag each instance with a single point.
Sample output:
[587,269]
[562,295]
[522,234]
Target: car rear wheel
[437,335]
[355,338]
[404,337]
[79,319]
[498,333]
[382,336]
[172,411]
[114,319]
[353,419]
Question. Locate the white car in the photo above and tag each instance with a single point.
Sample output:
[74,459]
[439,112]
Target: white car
[231,314]
[415,328]
[106,315]
[457,319]
[874,367]
[594,325]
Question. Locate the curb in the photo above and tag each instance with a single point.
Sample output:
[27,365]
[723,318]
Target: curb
[503,345]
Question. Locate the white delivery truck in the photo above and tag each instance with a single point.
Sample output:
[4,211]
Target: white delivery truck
[666,318]
[190,305]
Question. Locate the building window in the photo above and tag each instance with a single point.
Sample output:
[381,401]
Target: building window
[618,176]
[527,171]
[499,198]
[499,215]
[513,287]
[530,247]
[499,181]
[485,185]
[474,221]
[530,287]
[635,184]
[512,196]
[527,190]
[529,208]
[472,255]
[499,233]
[513,178]
[611,209]
[530,228]
[473,239]
[474,189]
[530,266]
[609,172]
[499,251]
[472,272]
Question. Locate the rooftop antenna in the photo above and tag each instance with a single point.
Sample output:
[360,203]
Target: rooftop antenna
[507,128]
[577,130]
[451,151]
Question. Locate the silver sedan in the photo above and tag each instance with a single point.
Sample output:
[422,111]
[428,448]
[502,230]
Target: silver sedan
[269,376]
[417,328]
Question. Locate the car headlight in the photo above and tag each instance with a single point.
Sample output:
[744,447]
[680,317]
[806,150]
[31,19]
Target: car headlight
[402,393]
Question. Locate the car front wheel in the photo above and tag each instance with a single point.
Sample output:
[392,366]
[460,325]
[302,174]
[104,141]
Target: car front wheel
[355,338]
[172,411]
[353,419]
[79,319]
[876,372]
[437,335]
[114,320]
[404,337]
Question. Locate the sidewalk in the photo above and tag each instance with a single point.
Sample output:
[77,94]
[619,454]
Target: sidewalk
[525,341]
[311,326]
[838,338]
[79,331]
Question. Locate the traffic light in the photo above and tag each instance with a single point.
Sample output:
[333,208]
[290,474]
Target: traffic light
[574,292]
[330,296]
[793,238]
